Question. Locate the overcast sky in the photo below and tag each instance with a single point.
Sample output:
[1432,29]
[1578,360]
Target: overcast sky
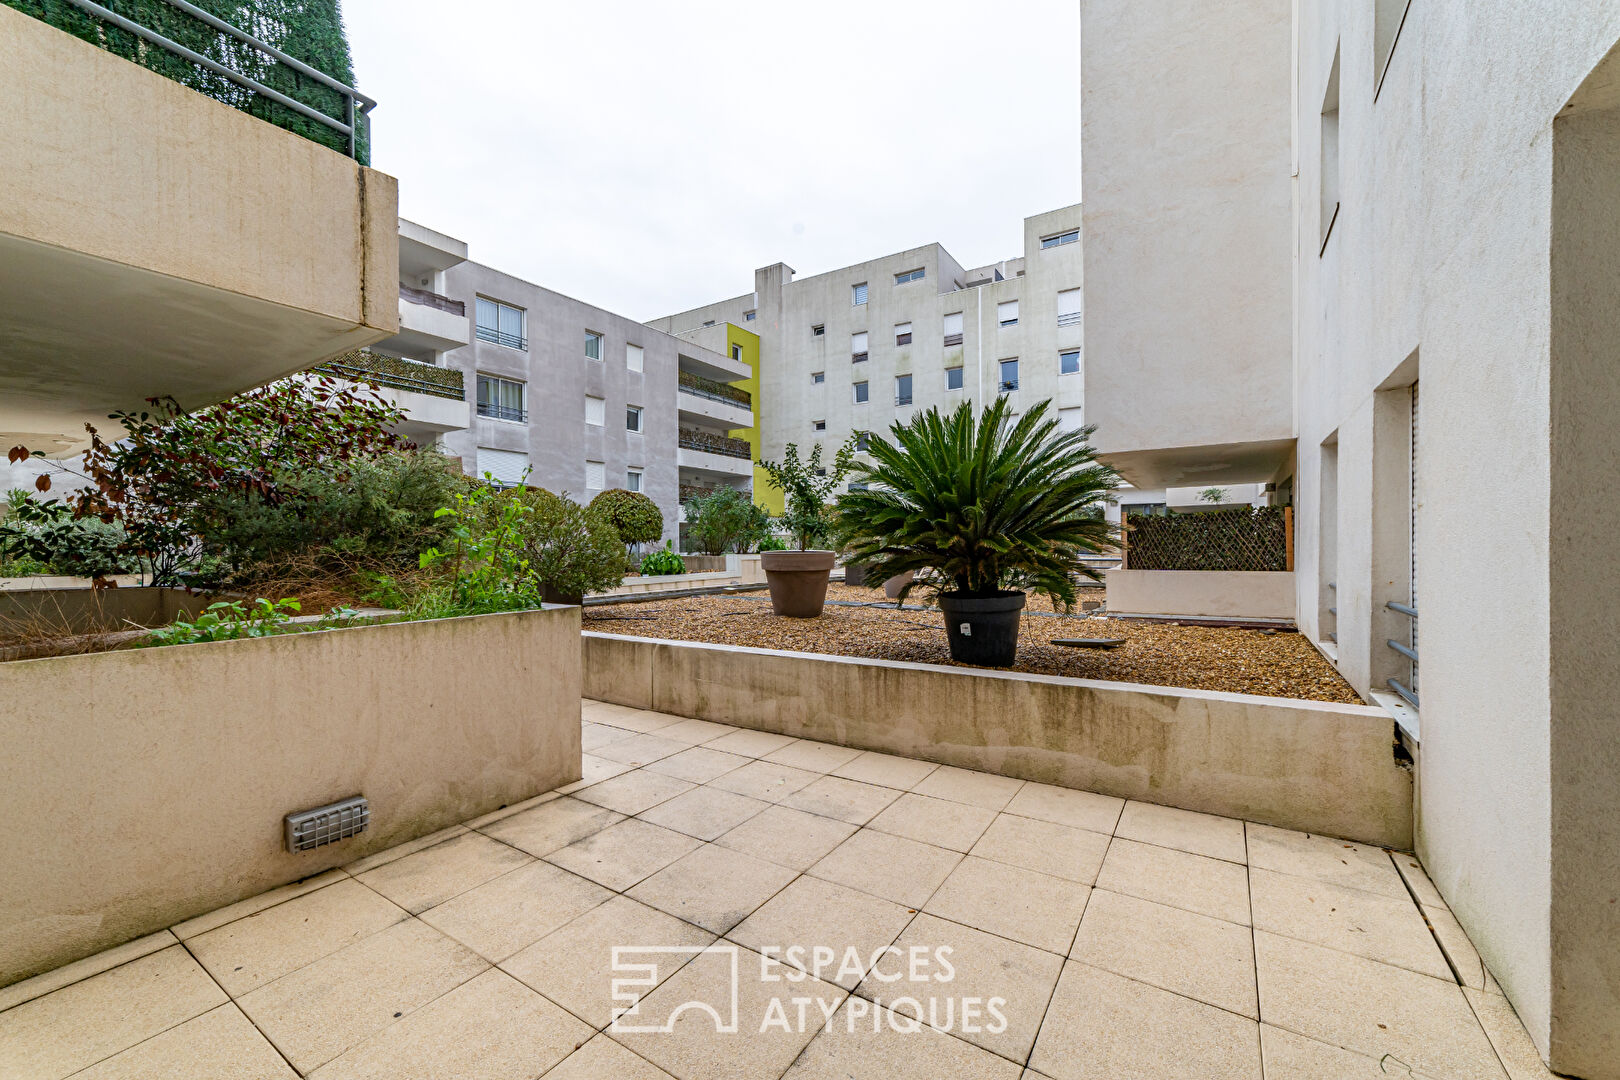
[646,156]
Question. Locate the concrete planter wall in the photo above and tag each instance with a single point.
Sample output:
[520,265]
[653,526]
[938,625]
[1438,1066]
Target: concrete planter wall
[1308,765]
[143,787]
[1229,593]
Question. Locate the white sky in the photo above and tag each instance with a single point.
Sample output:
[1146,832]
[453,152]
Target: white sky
[646,156]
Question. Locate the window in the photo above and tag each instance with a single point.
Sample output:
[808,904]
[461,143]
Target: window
[748,316]
[818,425]
[1058,239]
[817,378]
[902,333]
[1007,313]
[953,378]
[818,330]
[595,411]
[736,351]
[953,328]
[902,389]
[632,420]
[504,466]
[858,485]
[708,322]
[501,399]
[1072,419]
[632,357]
[593,345]
[860,393]
[857,347]
[862,439]
[1389,16]
[1328,182]
[858,295]
[500,323]
[1009,375]
[909,275]
[595,475]
[1069,362]
[1069,307]
[632,480]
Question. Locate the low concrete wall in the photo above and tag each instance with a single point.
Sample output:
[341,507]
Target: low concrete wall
[78,611]
[143,787]
[1233,593]
[1309,765]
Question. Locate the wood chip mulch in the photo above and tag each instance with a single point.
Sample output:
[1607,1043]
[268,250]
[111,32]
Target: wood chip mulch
[1235,660]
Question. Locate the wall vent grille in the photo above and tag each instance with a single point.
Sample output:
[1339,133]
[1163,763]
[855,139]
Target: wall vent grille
[310,829]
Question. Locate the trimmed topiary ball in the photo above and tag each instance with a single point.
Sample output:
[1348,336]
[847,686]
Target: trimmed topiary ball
[636,517]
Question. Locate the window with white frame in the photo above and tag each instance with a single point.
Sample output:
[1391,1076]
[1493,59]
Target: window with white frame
[633,357]
[1009,375]
[1069,302]
[503,467]
[860,393]
[818,425]
[908,275]
[736,351]
[595,475]
[857,347]
[500,323]
[748,316]
[902,333]
[1059,239]
[595,411]
[632,480]
[1069,362]
[857,294]
[593,345]
[632,419]
[501,399]
[817,378]
[902,389]
[862,441]
[953,378]
[1007,313]
[953,328]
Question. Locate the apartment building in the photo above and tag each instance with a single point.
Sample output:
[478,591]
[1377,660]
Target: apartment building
[515,380]
[1387,196]
[854,350]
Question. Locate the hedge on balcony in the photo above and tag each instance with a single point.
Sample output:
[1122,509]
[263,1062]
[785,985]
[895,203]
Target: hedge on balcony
[1249,539]
[310,31]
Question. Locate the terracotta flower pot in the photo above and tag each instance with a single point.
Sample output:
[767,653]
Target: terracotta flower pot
[798,581]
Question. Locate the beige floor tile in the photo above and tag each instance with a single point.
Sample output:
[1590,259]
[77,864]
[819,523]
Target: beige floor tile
[1177,878]
[940,822]
[482,823]
[1465,961]
[885,770]
[622,716]
[433,875]
[868,1042]
[1189,954]
[79,970]
[339,1001]
[81,1024]
[592,735]
[491,1027]
[218,1045]
[963,785]
[640,749]
[705,812]
[1417,879]
[818,757]
[1507,1035]
[1103,1025]
[1043,846]
[749,743]
[694,732]
[573,965]
[890,867]
[252,905]
[789,837]
[399,851]
[1382,928]
[764,780]
[553,825]
[698,764]
[978,967]
[634,791]
[1067,806]
[1372,1008]
[1340,862]
[692,1049]
[621,855]
[1184,830]
[1036,909]
[502,916]
[1288,1056]
[593,770]
[827,929]
[260,948]
[846,800]
[713,887]
[604,1059]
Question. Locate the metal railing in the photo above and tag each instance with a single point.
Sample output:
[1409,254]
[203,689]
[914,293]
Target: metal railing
[427,298]
[692,383]
[502,412]
[355,104]
[1408,695]
[363,365]
[902,399]
[500,337]
[953,339]
[857,358]
[1071,318]
[710,443]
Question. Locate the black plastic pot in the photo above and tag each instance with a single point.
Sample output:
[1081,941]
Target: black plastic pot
[854,573]
[983,630]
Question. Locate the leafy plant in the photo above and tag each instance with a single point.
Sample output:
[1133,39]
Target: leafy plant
[483,567]
[571,549]
[984,503]
[227,620]
[634,516]
[43,537]
[772,543]
[808,488]
[1212,494]
[723,520]
[663,562]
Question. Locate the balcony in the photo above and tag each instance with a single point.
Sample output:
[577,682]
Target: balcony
[434,398]
[710,443]
[433,300]
[691,383]
[430,323]
[702,399]
[706,457]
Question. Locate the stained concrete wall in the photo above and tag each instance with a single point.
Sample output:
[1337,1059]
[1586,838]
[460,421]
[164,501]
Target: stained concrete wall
[1315,766]
[1233,593]
[144,787]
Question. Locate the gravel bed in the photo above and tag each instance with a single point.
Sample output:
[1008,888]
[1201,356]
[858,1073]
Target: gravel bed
[1235,660]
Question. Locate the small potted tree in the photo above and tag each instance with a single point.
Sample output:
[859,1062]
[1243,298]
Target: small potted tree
[798,579]
[980,508]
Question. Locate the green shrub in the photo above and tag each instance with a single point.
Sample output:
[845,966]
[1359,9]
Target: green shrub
[571,549]
[634,516]
[772,543]
[482,567]
[723,520]
[809,516]
[663,562]
[45,538]
[227,620]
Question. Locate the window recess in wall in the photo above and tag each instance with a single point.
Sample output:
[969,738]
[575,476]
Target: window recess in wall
[593,345]
[500,323]
[953,378]
[1389,17]
[857,347]
[1069,362]
[632,480]
[1009,376]
[632,419]
[908,275]
[902,333]
[953,328]
[633,357]
[1007,313]
[902,389]
[817,378]
[818,330]
[1059,239]
[861,395]
[595,475]
[595,411]
[748,316]
[1328,181]
[1069,307]
[503,467]
[501,399]
[857,294]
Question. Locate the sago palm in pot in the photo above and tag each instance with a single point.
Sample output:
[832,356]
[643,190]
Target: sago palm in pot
[981,508]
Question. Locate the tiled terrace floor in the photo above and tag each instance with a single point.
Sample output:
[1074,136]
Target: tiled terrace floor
[1125,940]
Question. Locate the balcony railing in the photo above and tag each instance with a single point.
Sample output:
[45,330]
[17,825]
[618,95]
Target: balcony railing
[714,391]
[953,339]
[501,337]
[503,412]
[363,365]
[432,300]
[1071,318]
[710,443]
[231,65]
